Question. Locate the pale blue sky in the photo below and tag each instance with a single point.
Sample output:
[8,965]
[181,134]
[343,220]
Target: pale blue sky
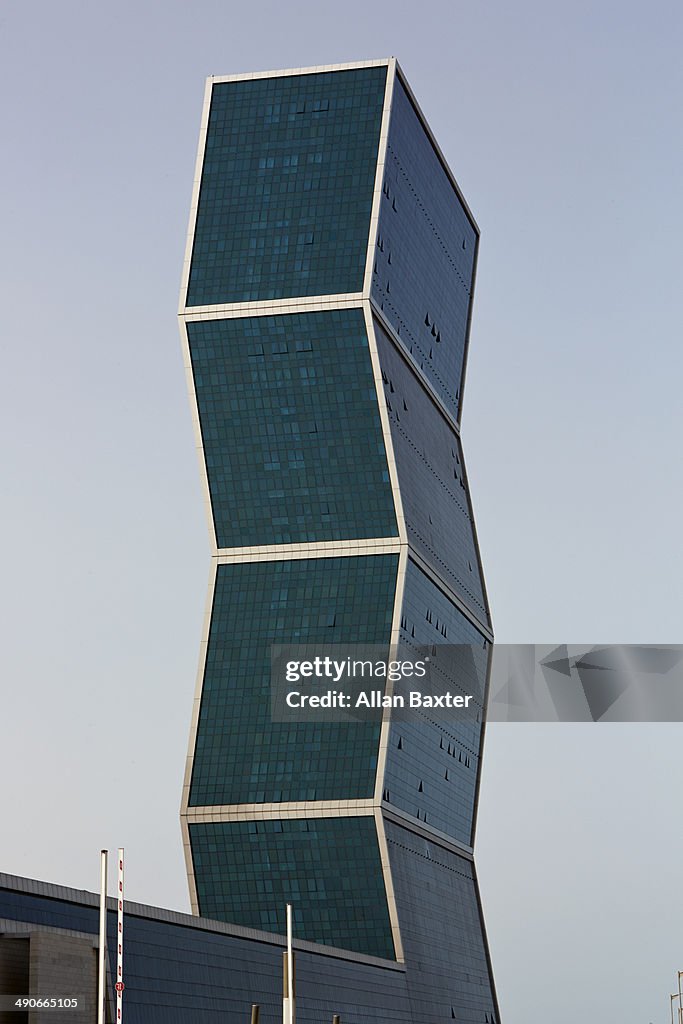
[562,124]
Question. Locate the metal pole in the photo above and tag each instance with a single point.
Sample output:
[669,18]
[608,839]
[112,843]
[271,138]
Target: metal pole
[119,950]
[336,1019]
[288,974]
[102,951]
[290,965]
[680,997]
[254,1013]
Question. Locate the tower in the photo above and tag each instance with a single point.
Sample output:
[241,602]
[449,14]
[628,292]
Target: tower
[325,314]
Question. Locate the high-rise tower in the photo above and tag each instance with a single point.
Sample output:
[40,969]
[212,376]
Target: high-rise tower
[325,314]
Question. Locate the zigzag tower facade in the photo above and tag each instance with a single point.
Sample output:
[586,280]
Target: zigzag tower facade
[325,315]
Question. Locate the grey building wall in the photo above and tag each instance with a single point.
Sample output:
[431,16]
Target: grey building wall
[63,966]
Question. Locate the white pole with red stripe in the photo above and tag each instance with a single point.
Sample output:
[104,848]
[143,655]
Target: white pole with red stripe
[119,943]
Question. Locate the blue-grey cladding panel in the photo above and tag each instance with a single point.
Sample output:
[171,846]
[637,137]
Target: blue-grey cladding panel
[241,755]
[291,428]
[329,869]
[441,930]
[432,762]
[431,476]
[286,189]
[425,252]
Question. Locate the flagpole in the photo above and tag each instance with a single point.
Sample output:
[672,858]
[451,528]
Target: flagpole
[290,965]
[288,975]
[102,951]
[119,950]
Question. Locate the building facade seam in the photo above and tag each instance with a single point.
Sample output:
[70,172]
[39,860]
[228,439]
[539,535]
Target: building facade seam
[314,69]
[313,549]
[271,307]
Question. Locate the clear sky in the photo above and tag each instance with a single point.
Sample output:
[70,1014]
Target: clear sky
[562,123]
